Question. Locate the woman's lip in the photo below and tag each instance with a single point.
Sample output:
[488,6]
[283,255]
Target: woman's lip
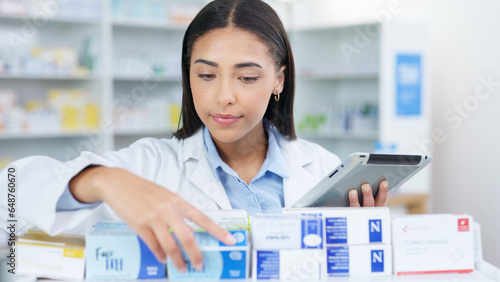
[225,119]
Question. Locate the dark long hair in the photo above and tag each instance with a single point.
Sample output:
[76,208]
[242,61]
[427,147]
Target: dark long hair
[260,19]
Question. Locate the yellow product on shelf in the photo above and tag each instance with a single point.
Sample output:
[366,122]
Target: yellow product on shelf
[4,162]
[74,108]
[91,115]
[69,117]
[175,113]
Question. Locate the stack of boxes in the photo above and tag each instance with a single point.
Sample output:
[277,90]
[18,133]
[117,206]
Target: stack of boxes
[319,243]
[357,240]
[298,244]
[287,247]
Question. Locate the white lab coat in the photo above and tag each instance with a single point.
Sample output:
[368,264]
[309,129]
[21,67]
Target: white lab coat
[182,166]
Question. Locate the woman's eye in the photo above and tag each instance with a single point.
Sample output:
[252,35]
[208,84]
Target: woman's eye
[206,76]
[249,78]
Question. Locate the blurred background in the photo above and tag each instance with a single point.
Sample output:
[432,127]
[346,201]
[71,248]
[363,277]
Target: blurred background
[372,76]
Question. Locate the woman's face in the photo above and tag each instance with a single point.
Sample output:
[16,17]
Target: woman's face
[233,76]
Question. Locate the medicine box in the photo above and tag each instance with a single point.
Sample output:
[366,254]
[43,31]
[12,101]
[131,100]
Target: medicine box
[287,246]
[227,219]
[433,243]
[276,232]
[58,257]
[358,260]
[352,226]
[115,252]
[287,264]
[220,261]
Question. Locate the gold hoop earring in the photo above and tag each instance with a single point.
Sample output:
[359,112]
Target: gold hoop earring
[277,97]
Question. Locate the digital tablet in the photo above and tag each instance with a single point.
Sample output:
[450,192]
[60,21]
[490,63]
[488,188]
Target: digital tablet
[358,169]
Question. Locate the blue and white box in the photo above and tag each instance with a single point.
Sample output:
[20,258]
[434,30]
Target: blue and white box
[352,226]
[358,260]
[287,247]
[287,264]
[276,232]
[220,261]
[115,252]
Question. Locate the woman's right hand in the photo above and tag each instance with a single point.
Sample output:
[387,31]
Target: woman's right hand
[149,209]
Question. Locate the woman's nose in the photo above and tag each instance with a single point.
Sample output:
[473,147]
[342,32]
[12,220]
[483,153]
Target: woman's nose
[225,94]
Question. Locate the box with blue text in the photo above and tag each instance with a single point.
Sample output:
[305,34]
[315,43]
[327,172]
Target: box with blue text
[358,260]
[351,226]
[220,261]
[115,252]
[286,231]
[287,246]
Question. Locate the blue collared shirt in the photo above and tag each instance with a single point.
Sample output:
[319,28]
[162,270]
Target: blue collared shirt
[264,193]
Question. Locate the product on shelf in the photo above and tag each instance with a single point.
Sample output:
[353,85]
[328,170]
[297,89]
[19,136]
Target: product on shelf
[49,9]
[47,61]
[146,11]
[146,66]
[156,113]
[354,118]
[154,11]
[64,110]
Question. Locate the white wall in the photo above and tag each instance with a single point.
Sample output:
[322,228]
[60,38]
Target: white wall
[464,50]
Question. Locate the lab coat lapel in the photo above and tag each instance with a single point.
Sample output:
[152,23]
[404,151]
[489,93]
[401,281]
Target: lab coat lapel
[301,180]
[202,176]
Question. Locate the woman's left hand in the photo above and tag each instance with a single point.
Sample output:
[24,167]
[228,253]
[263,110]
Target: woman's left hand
[368,200]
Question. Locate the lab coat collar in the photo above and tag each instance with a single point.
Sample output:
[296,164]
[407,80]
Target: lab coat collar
[203,176]
[297,159]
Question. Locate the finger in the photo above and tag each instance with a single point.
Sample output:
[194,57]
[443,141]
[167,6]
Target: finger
[211,227]
[381,198]
[169,246]
[353,198]
[368,200]
[187,239]
[150,239]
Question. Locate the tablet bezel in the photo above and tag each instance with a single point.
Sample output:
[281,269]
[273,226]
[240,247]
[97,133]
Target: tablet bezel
[322,195]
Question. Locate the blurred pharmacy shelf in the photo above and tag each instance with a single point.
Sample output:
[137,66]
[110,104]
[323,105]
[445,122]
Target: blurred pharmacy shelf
[123,55]
[49,77]
[47,135]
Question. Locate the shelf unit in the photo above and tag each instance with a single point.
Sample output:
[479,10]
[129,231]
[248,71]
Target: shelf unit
[113,87]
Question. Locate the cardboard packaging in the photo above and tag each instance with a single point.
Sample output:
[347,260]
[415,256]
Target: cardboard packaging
[293,231]
[352,226]
[59,257]
[227,219]
[358,260]
[220,261]
[433,243]
[287,246]
[287,264]
[115,252]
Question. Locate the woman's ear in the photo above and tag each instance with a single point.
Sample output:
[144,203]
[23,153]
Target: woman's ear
[280,80]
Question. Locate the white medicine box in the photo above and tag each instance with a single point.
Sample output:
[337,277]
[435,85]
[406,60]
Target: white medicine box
[433,243]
